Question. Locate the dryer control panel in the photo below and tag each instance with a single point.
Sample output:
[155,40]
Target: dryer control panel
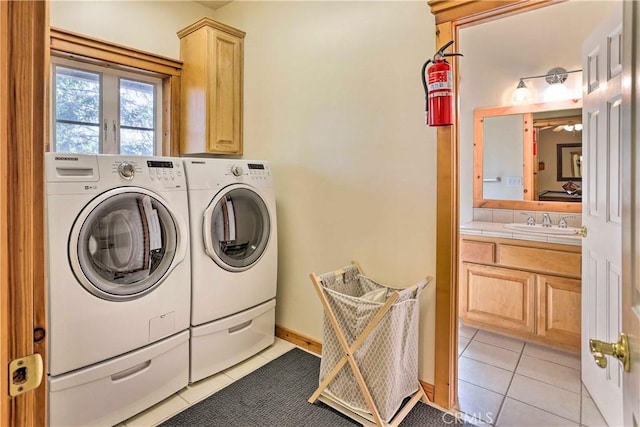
[258,171]
[252,170]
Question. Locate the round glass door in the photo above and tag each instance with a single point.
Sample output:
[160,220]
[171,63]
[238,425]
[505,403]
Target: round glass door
[125,245]
[237,227]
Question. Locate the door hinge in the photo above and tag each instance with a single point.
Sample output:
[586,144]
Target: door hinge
[25,374]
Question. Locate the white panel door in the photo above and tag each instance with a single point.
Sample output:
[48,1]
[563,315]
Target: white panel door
[631,208]
[602,210]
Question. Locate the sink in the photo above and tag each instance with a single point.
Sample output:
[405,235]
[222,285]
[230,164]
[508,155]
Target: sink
[539,229]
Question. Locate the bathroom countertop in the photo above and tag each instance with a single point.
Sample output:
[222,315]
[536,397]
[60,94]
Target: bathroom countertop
[496,229]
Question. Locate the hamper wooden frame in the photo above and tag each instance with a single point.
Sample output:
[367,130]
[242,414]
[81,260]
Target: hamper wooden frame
[348,358]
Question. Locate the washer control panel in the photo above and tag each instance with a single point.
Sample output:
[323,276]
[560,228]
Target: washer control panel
[168,173]
[164,170]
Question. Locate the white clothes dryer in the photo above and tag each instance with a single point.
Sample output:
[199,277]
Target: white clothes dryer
[118,255]
[234,256]
[119,293]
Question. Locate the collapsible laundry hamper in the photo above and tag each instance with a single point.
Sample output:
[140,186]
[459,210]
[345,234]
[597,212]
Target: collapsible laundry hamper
[374,330]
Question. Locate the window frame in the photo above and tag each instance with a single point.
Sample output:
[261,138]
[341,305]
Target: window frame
[110,78]
[81,48]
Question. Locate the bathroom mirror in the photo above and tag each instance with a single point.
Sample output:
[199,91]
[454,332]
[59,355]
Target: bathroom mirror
[523,155]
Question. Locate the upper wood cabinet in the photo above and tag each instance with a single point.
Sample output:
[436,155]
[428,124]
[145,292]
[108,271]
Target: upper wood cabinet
[212,78]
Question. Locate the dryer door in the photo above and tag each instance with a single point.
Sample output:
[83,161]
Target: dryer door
[124,243]
[236,227]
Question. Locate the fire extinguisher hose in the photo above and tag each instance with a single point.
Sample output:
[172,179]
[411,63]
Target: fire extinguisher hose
[424,84]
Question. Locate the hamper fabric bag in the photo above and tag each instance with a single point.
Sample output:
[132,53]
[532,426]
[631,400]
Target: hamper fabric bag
[387,358]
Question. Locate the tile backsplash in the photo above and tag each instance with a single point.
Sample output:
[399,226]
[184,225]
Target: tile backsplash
[508,216]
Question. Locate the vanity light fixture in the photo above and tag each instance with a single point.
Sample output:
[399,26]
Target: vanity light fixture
[555,92]
[522,94]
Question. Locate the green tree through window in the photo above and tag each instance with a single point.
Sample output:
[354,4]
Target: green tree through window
[77,111]
[137,128]
[104,111]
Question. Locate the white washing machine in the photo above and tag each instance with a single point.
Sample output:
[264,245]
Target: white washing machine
[234,261]
[119,293]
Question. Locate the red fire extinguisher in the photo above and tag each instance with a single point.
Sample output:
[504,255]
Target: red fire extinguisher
[438,90]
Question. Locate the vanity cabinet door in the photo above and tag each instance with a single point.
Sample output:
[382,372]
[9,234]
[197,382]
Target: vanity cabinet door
[559,308]
[500,298]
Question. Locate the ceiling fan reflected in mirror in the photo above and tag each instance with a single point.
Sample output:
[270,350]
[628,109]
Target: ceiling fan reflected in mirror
[560,124]
[569,127]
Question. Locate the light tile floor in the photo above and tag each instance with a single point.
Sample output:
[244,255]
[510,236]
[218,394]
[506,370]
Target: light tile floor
[194,393]
[508,382]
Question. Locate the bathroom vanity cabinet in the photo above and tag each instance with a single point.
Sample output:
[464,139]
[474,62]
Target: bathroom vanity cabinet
[211,93]
[529,290]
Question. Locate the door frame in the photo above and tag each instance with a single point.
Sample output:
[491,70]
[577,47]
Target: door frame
[450,16]
[23,82]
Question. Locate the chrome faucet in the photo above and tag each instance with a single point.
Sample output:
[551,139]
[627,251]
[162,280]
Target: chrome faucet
[546,220]
[530,218]
[563,221]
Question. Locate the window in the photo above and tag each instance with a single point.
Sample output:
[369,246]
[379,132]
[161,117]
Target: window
[98,109]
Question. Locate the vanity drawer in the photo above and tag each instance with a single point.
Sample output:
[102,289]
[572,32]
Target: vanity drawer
[537,259]
[480,252]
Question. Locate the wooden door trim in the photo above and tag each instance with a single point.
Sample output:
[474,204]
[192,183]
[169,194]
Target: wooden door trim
[469,11]
[450,16]
[23,55]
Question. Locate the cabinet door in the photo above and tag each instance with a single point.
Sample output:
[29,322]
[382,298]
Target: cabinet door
[559,305]
[498,297]
[225,94]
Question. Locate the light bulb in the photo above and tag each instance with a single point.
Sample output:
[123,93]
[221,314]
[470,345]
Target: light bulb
[578,127]
[556,92]
[522,94]
[568,128]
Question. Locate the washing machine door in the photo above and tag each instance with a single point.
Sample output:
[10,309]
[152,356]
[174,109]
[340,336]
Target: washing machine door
[236,228]
[124,243]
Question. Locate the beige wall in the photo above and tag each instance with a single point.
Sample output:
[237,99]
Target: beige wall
[498,53]
[333,99]
[147,25]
